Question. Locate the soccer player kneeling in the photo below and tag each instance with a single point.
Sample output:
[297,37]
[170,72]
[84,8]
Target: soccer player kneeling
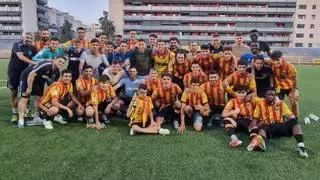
[59,99]
[101,96]
[194,105]
[238,115]
[139,111]
[270,115]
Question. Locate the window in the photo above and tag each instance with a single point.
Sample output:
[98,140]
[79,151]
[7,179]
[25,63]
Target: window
[299,35]
[309,44]
[300,26]
[298,45]
[310,35]
[311,26]
[313,16]
[314,6]
[301,16]
[302,6]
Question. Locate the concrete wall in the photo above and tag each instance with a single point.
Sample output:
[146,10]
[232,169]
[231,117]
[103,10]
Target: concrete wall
[116,15]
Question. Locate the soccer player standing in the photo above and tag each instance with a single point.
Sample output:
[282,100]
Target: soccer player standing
[21,58]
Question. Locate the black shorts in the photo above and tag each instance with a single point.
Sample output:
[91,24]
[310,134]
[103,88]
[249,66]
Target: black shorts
[280,129]
[165,112]
[126,100]
[13,81]
[243,125]
[216,109]
[37,88]
[283,93]
[178,81]
[64,101]
[102,106]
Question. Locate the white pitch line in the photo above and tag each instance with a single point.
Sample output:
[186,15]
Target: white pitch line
[2,88]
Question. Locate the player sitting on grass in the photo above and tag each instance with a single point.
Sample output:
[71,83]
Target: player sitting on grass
[84,86]
[270,115]
[104,100]
[216,93]
[166,96]
[194,105]
[57,99]
[140,111]
[238,115]
[32,82]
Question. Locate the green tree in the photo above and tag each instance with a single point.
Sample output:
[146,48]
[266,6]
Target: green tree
[66,32]
[107,25]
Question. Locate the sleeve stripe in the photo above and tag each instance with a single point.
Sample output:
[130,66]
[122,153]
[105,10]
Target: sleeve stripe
[37,67]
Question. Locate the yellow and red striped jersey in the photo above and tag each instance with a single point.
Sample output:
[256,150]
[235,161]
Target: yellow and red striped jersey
[270,114]
[40,45]
[85,43]
[235,79]
[226,68]
[140,110]
[187,78]
[162,61]
[99,95]
[216,93]
[84,83]
[132,43]
[284,75]
[246,108]
[206,62]
[167,96]
[152,84]
[194,98]
[56,91]
[179,70]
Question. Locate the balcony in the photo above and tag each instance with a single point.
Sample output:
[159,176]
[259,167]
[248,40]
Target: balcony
[10,19]
[43,24]
[42,2]
[11,28]
[10,9]
[14,37]
[42,9]
[208,38]
[10,1]
[206,28]
[207,19]
[209,9]
[43,17]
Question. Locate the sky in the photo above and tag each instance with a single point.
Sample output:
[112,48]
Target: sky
[87,11]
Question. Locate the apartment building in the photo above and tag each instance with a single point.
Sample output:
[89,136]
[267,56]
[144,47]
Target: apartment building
[307,24]
[192,20]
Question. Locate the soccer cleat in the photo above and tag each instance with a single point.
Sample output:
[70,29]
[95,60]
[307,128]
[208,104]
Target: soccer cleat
[132,133]
[302,152]
[235,143]
[257,143]
[14,118]
[176,124]
[35,121]
[314,117]
[307,120]
[58,118]
[164,132]
[105,119]
[21,124]
[47,124]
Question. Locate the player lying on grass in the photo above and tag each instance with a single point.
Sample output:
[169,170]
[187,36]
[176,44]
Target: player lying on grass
[103,100]
[216,93]
[84,86]
[59,100]
[194,106]
[141,116]
[32,82]
[276,120]
[237,115]
[166,100]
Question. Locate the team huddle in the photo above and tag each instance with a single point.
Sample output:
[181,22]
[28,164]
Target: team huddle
[238,87]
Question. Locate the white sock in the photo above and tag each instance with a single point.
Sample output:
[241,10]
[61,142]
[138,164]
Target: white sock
[21,116]
[36,113]
[14,110]
[234,137]
[300,144]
